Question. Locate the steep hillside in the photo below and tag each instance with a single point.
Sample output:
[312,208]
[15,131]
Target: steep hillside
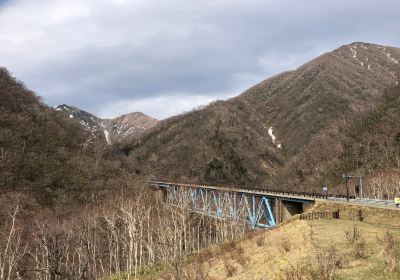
[298,104]
[47,155]
[223,143]
[249,139]
[368,144]
[112,130]
[89,121]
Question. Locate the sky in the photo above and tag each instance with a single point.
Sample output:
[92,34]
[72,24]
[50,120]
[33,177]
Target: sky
[165,57]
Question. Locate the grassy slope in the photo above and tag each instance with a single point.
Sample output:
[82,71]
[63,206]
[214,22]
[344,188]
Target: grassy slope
[269,254]
[271,260]
[370,267]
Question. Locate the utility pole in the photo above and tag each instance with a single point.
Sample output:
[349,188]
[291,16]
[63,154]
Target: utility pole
[345,175]
[347,188]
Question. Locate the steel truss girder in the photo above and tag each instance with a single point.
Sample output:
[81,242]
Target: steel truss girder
[254,209]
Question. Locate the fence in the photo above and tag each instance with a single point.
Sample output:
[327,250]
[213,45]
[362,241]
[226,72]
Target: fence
[320,215]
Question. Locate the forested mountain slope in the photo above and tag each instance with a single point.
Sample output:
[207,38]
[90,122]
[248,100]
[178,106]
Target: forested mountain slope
[368,144]
[223,143]
[47,154]
[298,104]
[251,139]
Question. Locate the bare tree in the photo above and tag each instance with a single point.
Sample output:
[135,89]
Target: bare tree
[12,248]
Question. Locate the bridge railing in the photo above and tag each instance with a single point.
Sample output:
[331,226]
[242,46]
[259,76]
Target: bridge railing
[304,194]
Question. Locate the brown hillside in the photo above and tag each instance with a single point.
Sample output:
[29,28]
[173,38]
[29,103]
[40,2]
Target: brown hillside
[48,155]
[298,104]
[230,142]
[127,126]
[368,143]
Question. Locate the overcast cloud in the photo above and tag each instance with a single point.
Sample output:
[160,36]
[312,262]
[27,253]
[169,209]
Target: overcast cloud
[167,56]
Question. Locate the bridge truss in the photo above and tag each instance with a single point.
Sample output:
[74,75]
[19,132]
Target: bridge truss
[254,209]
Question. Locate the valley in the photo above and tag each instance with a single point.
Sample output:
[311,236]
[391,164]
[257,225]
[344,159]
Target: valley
[76,202]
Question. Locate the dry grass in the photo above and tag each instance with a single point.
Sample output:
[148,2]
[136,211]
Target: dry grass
[372,265]
[305,251]
[264,255]
[301,250]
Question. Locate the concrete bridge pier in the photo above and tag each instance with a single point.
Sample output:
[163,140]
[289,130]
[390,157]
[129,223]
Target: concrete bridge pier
[283,209]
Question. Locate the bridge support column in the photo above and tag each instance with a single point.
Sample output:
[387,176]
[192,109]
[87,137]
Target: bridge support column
[278,210]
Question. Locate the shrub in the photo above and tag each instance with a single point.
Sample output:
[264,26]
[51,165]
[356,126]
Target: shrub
[326,263]
[238,255]
[260,241]
[390,251]
[356,241]
[286,245]
[230,269]
[298,272]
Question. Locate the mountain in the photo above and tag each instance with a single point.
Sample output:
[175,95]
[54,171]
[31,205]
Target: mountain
[367,145]
[50,159]
[289,131]
[261,136]
[112,130]
[298,104]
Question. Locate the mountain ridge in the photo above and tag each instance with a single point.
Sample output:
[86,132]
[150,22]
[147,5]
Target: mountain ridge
[111,129]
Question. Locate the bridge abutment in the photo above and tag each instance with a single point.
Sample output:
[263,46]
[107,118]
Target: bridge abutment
[284,209]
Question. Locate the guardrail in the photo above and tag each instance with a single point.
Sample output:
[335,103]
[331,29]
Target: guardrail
[304,194]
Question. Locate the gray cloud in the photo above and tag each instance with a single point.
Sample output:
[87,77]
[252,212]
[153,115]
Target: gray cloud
[164,57]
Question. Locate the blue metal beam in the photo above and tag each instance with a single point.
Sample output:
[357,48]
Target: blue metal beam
[253,209]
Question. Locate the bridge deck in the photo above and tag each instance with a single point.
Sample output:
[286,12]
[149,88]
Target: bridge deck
[293,196]
[284,196]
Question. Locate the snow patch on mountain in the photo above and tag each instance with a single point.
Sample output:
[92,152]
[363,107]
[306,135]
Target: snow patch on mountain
[388,55]
[354,53]
[391,58]
[273,137]
[106,134]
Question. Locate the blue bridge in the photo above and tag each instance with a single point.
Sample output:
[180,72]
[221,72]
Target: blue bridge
[257,208]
